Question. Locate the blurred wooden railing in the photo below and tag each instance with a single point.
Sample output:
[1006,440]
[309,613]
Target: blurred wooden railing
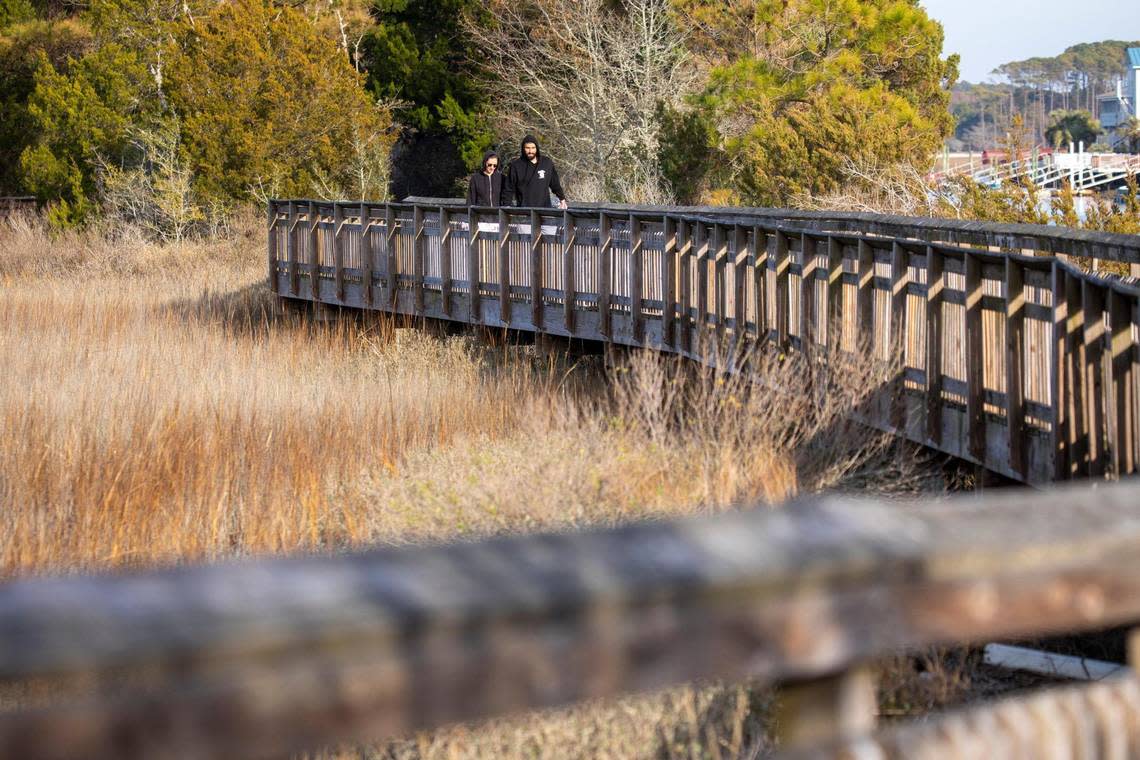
[261,658]
[1016,360]
[20,204]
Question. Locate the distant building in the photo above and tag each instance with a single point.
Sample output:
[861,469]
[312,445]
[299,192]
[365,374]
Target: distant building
[1116,108]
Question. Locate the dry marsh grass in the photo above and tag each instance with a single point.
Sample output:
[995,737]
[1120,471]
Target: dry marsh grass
[158,408]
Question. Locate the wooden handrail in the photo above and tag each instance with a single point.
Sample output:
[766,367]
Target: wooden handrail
[1017,361]
[265,657]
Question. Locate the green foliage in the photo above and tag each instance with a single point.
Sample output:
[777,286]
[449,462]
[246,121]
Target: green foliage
[20,49]
[418,53]
[15,12]
[81,116]
[797,88]
[1071,127]
[268,106]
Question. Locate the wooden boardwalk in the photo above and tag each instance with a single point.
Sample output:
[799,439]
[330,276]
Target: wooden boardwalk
[1013,357]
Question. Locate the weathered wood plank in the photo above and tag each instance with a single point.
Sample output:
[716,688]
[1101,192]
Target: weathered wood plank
[605,268]
[636,256]
[685,252]
[282,655]
[392,237]
[504,252]
[669,280]
[1059,380]
[1122,433]
[834,293]
[366,253]
[338,251]
[1015,364]
[1093,297]
[314,249]
[473,275]
[568,290]
[809,330]
[935,287]
[274,283]
[536,280]
[865,297]
[701,244]
[445,285]
[975,385]
[781,269]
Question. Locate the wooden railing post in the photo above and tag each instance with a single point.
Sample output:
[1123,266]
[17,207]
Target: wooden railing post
[338,250]
[274,285]
[1015,364]
[445,260]
[739,291]
[314,252]
[935,289]
[536,281]
[781,266]
[1076,405]
[701,243]
[1058,381]
[392,240]
[1122,431]
[720,291]
[605,272]
[975,383]
[504,250]
[668,280]
[568,290]
[809,331]
[1094,368]
[636,320]
[865,297]
[419,240]
[291,250]
[834,327]
[685,256]
[365,255]
[760,282]
[816,713]
[473,264]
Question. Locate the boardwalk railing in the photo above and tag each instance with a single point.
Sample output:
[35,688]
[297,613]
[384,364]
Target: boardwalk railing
[1014,358]
[262,658]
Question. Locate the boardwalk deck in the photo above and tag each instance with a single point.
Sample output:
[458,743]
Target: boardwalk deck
[993,371]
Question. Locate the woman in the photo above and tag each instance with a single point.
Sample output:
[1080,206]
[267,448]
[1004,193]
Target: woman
[485,188]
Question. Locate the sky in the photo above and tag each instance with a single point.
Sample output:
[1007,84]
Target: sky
[988,33]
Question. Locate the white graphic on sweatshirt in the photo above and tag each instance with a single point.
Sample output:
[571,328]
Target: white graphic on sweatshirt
[542,173]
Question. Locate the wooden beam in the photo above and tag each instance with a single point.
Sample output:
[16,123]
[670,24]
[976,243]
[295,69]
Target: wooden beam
[1093,296]
[1016,430]
[314,252]
[701,245]
[536,278]
[568,289]
[392,238]
[473,275]
[865,298]
[338,251]
[1076,404]
[781,269]
[975,378]
[760,274]
[685,254]
[809,331]
[445,285]
[740,274]
[1122,423]
[291,250]
[274,283]
[1058,379]
[365,254]
[935,291]
[419,241]
[636,254]
[719,254]
[278,656]
[504,252]
[669,280]
[605,273]
[834,293]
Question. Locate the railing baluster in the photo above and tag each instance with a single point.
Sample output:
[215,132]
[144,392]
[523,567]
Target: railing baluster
[700,240]
[685,252]
[419,240]
[739,291]
[636,321]
[504,268]
[392,238]
[975,382]
[865,298]
[760,282]
[1058,379]
[473,265]
[1077,402]
[1015,364]
[834,327]
[274,285]
[536,283]
[668,280]
[445,260]
[782,266]
[605,271]
[1094,368]
[338,250]
[1121,425]
[809,331]
[935,289]
[720,295]
[314,252]
[291,246]
[568,271]
[365,255]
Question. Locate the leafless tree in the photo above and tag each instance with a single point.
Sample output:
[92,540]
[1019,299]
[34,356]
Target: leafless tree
[587,77]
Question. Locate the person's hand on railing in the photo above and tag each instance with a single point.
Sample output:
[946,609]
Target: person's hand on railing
[562,204]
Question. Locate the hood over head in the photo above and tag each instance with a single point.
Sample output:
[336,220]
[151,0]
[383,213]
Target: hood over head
[537,149]
[486,157]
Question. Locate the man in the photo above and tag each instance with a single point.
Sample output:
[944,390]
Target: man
[531,178]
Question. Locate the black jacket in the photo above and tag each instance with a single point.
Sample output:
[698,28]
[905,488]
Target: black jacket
[530,184]
[485,191]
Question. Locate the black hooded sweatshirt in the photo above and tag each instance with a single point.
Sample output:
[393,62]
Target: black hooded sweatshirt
[530,184]
[483,190]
